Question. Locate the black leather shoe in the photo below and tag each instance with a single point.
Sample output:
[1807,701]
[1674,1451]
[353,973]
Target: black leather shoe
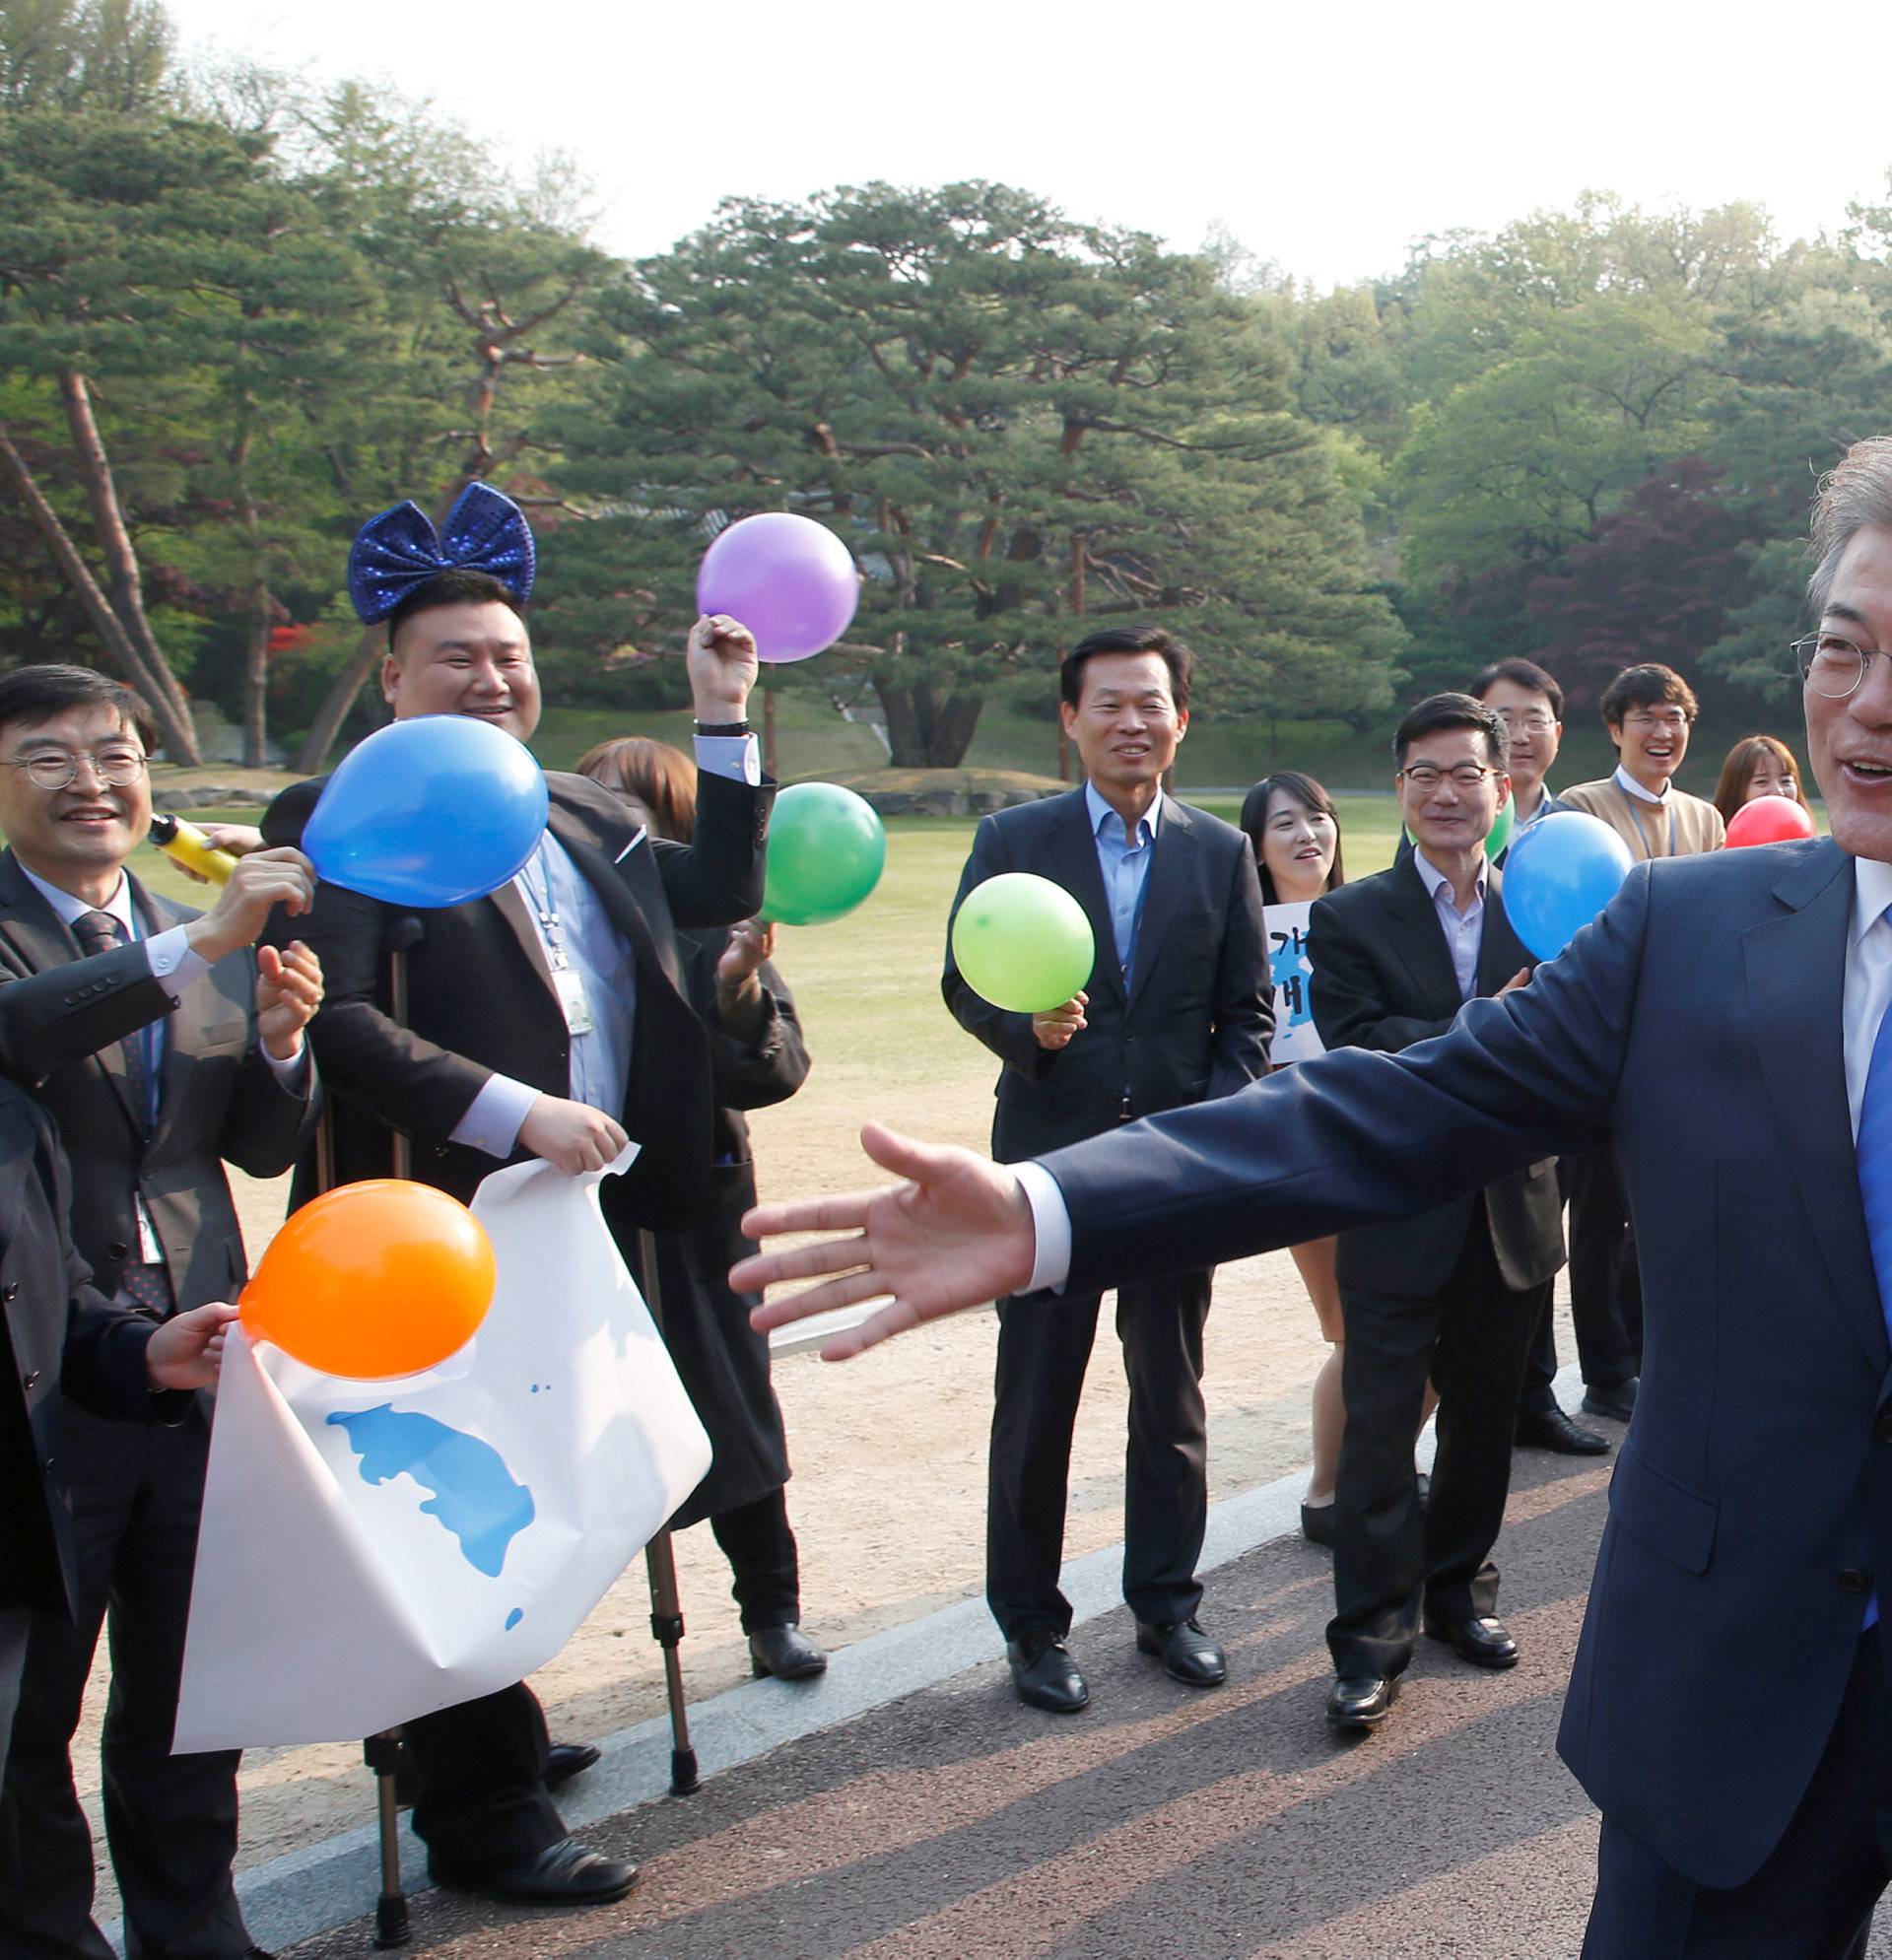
[1317,1523]
[1361,1702]
[1483,1642]
[567,1873]
[1187,1653]
[1617,1402]
[784,1651]
[566,1760]
[1554,1429]
[1044,1672]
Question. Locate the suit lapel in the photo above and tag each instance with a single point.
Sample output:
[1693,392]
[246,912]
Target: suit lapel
[1796,971]
[180,1034]
[1074,866]
[41,940]
[1418,939]
[1163,887]
[608,880]
[1499,955]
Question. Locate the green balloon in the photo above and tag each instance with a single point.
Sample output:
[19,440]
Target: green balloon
[1023,943]
[826,850]
[1501,828]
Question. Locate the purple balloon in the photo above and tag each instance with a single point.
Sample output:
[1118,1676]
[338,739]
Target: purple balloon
[788,580]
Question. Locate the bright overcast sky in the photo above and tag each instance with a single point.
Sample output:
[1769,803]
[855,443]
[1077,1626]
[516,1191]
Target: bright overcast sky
[1326,139]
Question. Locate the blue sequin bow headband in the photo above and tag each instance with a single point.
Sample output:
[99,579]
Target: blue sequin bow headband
[399,551]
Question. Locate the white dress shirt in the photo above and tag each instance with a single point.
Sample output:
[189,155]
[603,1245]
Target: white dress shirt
[584,939]
[1464,931]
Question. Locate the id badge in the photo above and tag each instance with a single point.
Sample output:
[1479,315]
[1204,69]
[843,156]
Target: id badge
[575,1008]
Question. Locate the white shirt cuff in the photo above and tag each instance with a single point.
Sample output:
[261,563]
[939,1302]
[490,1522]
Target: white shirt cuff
[493,1122]
[739,757]
[1051,1222]
[174,960]
[289,1073]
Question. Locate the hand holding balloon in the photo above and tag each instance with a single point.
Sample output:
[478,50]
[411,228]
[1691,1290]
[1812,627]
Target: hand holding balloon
[721,654]
[256,885]
[1053,1029]
[187,1350]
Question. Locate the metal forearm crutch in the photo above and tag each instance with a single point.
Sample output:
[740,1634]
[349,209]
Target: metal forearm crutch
[666,1606]
[382,1752]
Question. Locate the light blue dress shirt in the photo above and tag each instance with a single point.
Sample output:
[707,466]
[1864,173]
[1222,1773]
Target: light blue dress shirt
[1125,862]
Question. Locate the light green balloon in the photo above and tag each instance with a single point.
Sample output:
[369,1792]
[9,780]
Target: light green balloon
[1023,943]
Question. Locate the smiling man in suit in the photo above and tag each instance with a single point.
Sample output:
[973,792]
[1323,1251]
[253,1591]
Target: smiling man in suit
[162,1047]
[1452,1294]
[1176,1010]
[544,1020]
[1723,1021]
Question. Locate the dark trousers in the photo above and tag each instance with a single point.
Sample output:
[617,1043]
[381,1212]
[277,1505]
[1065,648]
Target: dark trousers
[1044,1348]
[14,1624]
[765,1565]
[1813,1899]
[1605,1284]
[1392,1557]
[171,1821]
[482,1804]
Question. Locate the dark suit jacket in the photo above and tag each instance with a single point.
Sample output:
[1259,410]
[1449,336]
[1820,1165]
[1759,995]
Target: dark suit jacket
[481,1000]
[1384,979]
[62,1016]
[56,1330]
[1198,1011]
[1698,1022]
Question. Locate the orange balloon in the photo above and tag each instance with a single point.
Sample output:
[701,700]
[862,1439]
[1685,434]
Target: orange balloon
[374,1279]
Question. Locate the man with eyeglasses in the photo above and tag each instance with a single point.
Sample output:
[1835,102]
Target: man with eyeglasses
[1527,699]
[162,1047]
[1725,1023]
[1453,1292]
[1649,712]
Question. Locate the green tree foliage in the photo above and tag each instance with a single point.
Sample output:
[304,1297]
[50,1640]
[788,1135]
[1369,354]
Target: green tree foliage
[1022,427]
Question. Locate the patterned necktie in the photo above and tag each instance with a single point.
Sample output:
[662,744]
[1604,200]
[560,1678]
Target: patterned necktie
[100,932]
[147,1284]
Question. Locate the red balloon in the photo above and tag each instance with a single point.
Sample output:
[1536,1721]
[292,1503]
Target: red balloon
[1769,820]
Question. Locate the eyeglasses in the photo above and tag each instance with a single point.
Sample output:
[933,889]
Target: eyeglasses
[1467,775]
[1671,723]
[1531,720]
[1831,665]
[58,768]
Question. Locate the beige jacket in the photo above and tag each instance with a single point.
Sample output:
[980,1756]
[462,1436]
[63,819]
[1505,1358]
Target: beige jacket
[1675,828]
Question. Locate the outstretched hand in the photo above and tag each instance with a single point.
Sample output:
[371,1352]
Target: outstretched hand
[956,1234]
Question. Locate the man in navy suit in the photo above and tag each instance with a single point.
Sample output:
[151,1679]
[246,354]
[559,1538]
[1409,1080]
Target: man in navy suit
[1725,1021]
[1453,1292]
[1177,1009]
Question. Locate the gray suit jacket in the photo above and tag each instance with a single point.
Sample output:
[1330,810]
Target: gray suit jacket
[62,1016]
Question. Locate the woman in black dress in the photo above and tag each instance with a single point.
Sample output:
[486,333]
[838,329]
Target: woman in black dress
[760,1058]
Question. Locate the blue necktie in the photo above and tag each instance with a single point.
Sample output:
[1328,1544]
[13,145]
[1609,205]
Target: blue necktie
[1874,1157]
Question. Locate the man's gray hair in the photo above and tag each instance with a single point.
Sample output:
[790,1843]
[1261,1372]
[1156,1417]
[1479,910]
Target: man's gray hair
[1855,492]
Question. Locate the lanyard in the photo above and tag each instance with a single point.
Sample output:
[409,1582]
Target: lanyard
[1636,819]
[545,906]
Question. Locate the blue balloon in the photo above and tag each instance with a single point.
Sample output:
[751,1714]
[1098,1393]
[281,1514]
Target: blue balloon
[1562,871]
[436,811]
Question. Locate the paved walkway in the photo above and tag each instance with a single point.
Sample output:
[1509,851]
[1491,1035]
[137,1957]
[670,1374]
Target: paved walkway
[953,1823]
